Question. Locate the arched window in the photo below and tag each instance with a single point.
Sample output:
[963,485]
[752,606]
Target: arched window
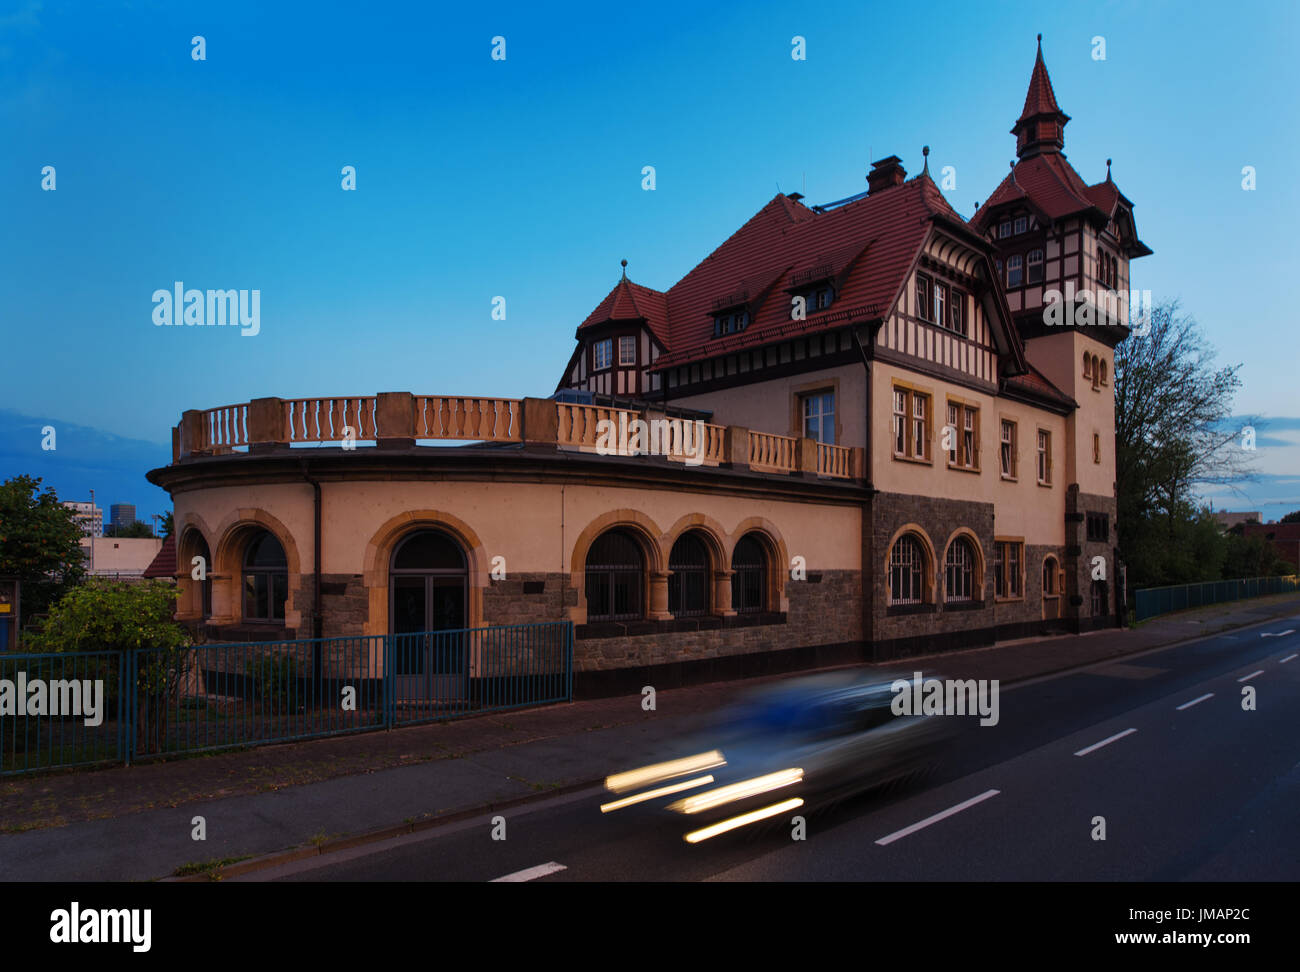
[1049,577]
[959,571]
[749,582]
[266,578]
[1102,365]
[688,580]
[615,578]
[198,547]
[906,571]
[1087,365]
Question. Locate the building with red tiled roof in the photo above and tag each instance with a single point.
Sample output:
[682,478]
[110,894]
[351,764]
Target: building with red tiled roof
[886,321]
[894,449]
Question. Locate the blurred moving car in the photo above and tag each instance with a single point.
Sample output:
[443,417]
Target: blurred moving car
[797,744]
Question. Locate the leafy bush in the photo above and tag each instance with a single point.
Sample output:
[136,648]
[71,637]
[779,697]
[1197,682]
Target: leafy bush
[274,679]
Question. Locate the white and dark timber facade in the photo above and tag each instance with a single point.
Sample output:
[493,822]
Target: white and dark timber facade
[897,453]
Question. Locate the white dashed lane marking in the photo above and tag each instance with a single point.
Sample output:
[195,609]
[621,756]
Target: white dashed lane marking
[942,815]
[529,874]
[1188,705]
[1104,742]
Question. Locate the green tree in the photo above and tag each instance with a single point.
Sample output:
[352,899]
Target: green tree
[138,529]
[102,615]
[40,543]
[1291,517]
[168,524]
[1172,434]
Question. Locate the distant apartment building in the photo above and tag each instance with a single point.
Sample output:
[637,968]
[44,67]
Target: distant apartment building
[1227,519]
[121,515]
[88,516]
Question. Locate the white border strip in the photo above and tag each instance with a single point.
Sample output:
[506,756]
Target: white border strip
[529,874]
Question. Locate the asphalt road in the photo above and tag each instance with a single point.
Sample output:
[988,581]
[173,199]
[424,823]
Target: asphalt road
[1191,785]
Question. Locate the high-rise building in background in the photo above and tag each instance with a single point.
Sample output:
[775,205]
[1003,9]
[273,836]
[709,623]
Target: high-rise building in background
[89,517]
[121,514]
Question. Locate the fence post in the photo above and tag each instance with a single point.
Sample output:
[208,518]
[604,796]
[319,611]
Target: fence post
[388,680]
[128,688]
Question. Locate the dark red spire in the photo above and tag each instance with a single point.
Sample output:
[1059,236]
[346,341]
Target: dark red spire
[1040,126]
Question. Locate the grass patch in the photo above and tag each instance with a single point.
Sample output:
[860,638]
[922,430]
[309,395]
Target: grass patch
[210,867]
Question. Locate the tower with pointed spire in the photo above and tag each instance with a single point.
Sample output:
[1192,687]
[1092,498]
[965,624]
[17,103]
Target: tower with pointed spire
[1041,125]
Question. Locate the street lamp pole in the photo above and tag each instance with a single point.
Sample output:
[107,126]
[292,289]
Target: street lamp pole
[92,532]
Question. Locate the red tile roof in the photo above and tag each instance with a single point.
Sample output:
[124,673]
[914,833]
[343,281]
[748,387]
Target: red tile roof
[632,302]
[866,246]
[1049,183]
[164,561]
[1039,387]
[1040,99]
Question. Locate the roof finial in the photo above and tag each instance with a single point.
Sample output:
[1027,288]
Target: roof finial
[1013,171]
[925,150]
[624,262]
[1108,170]
[1040,43]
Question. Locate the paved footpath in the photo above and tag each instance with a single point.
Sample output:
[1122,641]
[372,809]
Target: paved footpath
[136,823]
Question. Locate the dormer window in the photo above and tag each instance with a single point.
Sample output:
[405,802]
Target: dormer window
[1015,271]
[730,322]
[602,354]
[1022,224]
[815,298]
[1035,274]
[1004,230]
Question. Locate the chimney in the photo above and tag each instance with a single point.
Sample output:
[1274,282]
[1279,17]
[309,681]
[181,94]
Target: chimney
[885,174]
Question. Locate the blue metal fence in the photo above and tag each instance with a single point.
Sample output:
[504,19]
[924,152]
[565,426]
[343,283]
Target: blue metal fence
[1151,601]
[206,697]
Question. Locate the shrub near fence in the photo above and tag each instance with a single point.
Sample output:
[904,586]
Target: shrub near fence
[1152,601]
[169,701]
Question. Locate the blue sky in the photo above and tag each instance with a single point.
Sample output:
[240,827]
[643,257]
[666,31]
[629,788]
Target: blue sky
[522,178]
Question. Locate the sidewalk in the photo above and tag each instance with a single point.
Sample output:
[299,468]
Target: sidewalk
[135,823]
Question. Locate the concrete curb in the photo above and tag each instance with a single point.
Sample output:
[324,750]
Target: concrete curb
[399,830]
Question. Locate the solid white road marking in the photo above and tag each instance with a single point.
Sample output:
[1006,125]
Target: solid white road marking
[1104,742]
[1247,678]
[1188,705]
[1287,659]
[1277,634]
[899,834]
[529,874]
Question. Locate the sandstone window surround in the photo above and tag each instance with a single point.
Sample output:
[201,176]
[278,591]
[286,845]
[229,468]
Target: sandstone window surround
[911,415]
[1008,568]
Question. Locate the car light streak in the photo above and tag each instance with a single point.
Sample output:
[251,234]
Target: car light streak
[737,791]
[659,772]
[745,818]
[652,794]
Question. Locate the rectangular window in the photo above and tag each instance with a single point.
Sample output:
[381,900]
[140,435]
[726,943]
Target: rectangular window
[1099,598]
[911,424]
[957,313]
[627,350]
[1035,273]
[1096,448]
[819,417]
[1008,450]
[602,354]
[1022,224]
[1007,557]
[940,304]
[963,443]
[923,297]
[1004,230]
[1098,527]
[1044,457]
[1015,271]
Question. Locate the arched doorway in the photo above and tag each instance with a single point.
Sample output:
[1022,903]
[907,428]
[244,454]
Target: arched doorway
[428,584]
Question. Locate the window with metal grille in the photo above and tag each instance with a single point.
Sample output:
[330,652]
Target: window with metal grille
[959,571]
[615,578]
[749,582]
[266,579]
[906,571]
[688,578]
